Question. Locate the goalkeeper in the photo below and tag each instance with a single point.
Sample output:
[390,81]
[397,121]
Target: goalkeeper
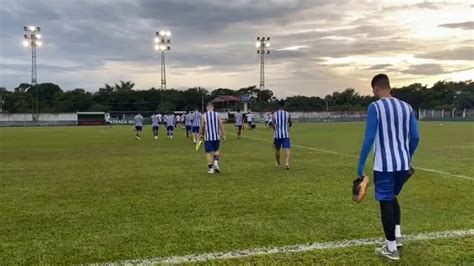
[392,125]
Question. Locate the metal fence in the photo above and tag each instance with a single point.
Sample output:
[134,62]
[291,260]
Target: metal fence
[446,114]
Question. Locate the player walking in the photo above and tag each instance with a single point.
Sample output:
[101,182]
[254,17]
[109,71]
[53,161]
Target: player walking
[107,120]
[188,123]
[170,125]
[392,125]
[239,122]
[281,126]
[197,116]
[250,120]
[138,126]
[155,124]
[212,130]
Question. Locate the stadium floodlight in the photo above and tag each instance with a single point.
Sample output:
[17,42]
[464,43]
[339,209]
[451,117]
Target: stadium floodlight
[263,45]
[32,37]
[162,44]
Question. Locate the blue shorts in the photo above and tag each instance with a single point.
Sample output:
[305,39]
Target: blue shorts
[282,143]
[211,146]
[138,128]
[389,184]
[155,128]
[170,128]
[195,129]
[188,128]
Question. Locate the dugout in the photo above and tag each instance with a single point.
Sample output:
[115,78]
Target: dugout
[90,118]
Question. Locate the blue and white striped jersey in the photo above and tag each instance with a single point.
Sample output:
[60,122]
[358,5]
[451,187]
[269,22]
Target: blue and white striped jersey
[138,120]
[154,121]
[197,119]
[212,126]
[392,151]
[239,119]
[170,120]
[282,120]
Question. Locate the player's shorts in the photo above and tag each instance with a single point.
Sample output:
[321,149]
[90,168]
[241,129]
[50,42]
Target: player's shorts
[282,143]
[389,184]
[138,128]
[239,127]
[188,128]
[155,128]
[170,128]
[195,129]
[211,146]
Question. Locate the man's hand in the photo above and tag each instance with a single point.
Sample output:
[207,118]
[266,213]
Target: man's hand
[359,188]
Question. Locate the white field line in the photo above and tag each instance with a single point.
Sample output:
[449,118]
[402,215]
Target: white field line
[286,249]
[353,156]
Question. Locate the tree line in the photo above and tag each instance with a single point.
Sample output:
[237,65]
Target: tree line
[124,97]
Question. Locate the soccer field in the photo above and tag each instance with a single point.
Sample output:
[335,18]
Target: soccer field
[94,195]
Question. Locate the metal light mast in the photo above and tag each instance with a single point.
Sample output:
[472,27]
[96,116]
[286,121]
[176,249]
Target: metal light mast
[162,44]
[32,38]
[263,45]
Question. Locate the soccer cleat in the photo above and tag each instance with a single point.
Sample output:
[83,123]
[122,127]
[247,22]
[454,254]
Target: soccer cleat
[217,169]
[359,188]
[385,252]
[277,164]
[287,167]
[156,137]
[210,171]
[399,242]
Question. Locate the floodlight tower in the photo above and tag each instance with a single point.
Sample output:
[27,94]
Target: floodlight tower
[263,46]
[32,38]
[162,44]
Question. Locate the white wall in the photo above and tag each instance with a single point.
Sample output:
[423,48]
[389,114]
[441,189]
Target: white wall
[41,117]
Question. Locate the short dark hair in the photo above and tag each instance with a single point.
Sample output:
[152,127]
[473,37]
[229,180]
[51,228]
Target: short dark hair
[380,80]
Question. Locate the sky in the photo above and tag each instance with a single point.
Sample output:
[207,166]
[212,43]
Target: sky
[317,46]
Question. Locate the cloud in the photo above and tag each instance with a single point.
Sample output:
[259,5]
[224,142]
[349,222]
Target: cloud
[459,53]
[424,69]
[379,66]
[468,25]
[293,48]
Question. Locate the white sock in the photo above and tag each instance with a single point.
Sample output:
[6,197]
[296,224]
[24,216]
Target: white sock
[398,231]
[392,245]
[216,162]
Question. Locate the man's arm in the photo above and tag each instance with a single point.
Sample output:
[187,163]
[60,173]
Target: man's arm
[201,129]
[290,123]
[222,130]
[413,134]
[370,132]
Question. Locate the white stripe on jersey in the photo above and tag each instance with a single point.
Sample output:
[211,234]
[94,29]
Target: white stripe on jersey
[392,139]
[212,126]
[197,116]
[281,124]
[239,119]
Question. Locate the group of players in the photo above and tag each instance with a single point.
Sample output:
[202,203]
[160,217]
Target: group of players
[391,126]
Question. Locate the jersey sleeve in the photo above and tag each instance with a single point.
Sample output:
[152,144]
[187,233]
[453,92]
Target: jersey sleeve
[369,137]
[414,134]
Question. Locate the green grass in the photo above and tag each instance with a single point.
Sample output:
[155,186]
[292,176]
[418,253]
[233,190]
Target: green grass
[90,194]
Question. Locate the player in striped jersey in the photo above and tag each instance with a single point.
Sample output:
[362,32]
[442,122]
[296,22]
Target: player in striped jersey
[170,125]
[281,124]
[155,124]
[196,125]
[138,126]
[212,130]
[239,122]
[188,122]
[392,125]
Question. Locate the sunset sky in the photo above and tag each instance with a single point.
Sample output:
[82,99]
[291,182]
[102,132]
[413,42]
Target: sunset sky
[317,46]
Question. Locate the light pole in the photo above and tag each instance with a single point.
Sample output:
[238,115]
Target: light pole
[162,44]
[33,39]
[263,45]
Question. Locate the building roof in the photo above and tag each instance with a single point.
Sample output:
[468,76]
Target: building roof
[226,98]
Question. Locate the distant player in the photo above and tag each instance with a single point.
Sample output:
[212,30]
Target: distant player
[239,122]
[268,119]
[212,130]
[170,125]
[250,120]
[178,120]
[392,125]
[138,126]
[188,123]
[107,120]
[281,123]
[155,124]
[197,116]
